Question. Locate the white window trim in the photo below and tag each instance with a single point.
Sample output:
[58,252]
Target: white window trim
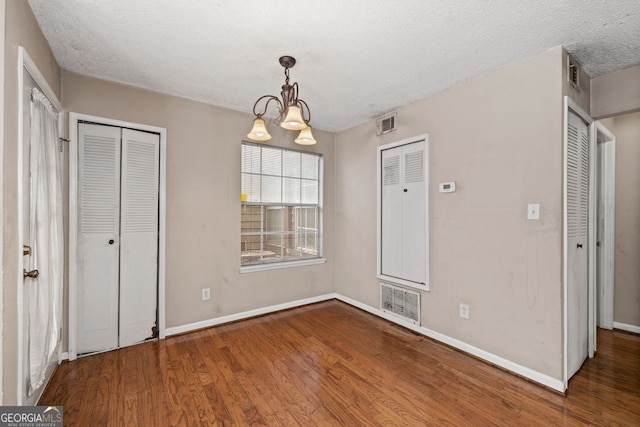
[283,264]
[252,268]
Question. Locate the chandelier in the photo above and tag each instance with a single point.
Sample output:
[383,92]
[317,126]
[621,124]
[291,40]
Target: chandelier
[293,113]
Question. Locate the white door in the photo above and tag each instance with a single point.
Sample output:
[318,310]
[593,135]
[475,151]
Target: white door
[29,287]
[26,229]
[414,213]
[605,247]
[98,236]
[117,236]
[403,236]
[391,240]
[139,236]
[578,159]
[41,251]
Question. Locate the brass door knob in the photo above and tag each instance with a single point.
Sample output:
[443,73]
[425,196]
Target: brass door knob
[32,274]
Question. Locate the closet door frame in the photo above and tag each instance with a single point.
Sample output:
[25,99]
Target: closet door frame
[74,118]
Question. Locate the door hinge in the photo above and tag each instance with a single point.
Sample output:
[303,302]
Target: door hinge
[62,141]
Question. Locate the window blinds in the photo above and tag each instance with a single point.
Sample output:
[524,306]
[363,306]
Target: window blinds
[279,176]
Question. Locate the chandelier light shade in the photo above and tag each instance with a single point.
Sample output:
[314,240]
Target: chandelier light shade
[305,137]
[293,112]
[259,131]
[293,120]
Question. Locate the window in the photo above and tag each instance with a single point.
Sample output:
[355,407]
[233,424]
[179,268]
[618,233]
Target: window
[281,208]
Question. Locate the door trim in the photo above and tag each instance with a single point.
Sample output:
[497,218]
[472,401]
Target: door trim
[572,106]
[74,118]
[2,145]
[25,63]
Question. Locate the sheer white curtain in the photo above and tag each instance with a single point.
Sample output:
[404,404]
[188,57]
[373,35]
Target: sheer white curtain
[46,239]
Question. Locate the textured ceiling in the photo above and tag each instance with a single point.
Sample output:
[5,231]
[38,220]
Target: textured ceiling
[357,59]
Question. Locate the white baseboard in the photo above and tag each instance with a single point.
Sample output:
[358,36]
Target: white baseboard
[64,356]
[246,314]
[523,371]
[626,327]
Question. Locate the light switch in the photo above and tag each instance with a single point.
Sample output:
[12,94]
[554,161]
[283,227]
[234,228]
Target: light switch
[533,211]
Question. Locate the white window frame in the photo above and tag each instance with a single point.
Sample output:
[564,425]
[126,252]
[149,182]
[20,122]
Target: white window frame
[296,262]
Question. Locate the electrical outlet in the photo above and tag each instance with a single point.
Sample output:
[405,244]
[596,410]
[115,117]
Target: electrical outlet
[464,311]
[206,294]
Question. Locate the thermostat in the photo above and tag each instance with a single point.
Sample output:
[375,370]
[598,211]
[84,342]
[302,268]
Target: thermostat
[448,187]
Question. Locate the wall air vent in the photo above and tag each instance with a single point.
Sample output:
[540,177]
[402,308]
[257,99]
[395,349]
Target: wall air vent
[387,124]
[573,73]
[400,302]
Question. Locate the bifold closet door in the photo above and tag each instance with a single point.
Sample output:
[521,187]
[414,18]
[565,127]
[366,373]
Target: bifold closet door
[117,236]
[391,204]
[413,213]
[98,236]
[139,236]
[578,155]
[403,205]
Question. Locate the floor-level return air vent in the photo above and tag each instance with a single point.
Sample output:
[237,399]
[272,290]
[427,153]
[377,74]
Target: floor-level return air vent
[400,302]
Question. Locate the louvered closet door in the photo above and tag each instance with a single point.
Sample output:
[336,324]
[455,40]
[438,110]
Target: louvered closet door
[413,213]
[391,239]
[403,234]
[98,236]
[139,235]
[578,154]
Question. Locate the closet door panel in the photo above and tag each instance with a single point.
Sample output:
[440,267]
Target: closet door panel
[98,236]
[139,235]
[578,156]
[413,213]
[391,236]
[403,238]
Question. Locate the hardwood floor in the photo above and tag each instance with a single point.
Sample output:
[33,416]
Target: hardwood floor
[332,364]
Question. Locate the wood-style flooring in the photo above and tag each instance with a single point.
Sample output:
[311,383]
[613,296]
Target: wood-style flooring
[330,364]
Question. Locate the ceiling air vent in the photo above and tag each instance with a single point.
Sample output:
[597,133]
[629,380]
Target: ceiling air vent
[386,124]
[573,74]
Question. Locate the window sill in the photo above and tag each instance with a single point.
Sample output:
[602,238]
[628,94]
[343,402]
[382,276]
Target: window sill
[278,265]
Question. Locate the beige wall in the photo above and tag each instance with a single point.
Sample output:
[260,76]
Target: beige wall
[203,200]
[21,30]
[616,93]
[500,138]
[627,268]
